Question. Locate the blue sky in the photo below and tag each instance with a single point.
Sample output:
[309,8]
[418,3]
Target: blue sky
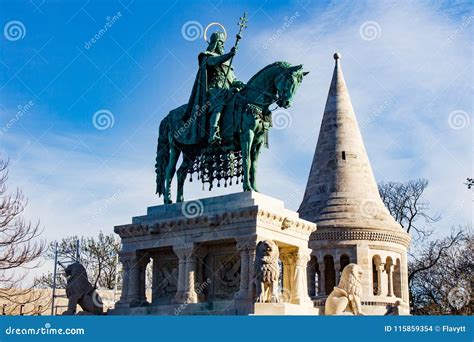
[408,66]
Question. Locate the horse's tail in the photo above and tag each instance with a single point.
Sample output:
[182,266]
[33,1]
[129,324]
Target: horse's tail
[162,155]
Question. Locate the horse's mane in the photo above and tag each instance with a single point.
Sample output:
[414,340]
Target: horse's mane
[279,64]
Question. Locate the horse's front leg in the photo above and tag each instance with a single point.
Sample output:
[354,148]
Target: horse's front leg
[170,171]
[258,141]
[246,138]
[182,172]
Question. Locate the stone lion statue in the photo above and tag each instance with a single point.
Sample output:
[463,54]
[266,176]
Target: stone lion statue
[345,298]
[80,291]
[267,272]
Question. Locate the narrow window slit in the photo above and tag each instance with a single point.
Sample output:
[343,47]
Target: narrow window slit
[343,155]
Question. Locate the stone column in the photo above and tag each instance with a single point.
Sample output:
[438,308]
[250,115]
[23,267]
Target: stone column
[181,274]
[321,278]
[190,295]
[380,279]
[133,282]
[337,270]
[300,288]
[126,261]
[251,267]
[243,247]
[288,259]
[390,279]
[404,277]
[364,260]
[186,292]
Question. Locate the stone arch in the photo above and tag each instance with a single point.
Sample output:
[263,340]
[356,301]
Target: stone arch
[344,261]
[397,279]
[329,273]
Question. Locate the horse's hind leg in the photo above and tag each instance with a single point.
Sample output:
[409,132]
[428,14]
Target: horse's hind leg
[182,172]
[170,171]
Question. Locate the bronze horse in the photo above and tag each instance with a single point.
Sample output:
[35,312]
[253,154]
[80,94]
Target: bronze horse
[276,83]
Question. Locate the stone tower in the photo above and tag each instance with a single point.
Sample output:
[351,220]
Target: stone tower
[354,226]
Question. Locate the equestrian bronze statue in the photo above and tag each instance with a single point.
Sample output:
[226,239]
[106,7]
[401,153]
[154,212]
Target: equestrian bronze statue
[222,128]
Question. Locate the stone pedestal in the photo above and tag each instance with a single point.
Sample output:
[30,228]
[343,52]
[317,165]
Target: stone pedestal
[203,254]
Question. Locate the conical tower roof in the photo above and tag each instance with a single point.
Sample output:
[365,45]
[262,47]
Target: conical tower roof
[341,191]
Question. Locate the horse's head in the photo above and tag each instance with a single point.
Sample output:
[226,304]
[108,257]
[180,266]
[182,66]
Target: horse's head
[287,83]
